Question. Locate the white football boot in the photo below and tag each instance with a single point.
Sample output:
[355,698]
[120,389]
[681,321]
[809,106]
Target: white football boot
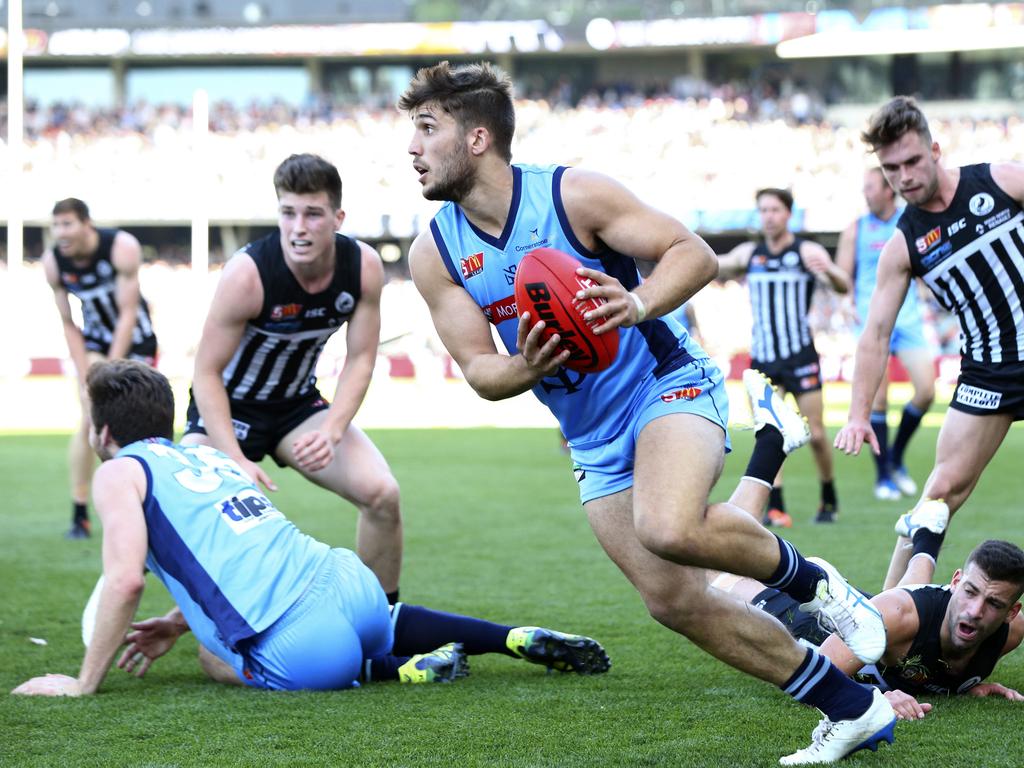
[904,481]
[768,407]
[832,741]
[932,514]
[844,610]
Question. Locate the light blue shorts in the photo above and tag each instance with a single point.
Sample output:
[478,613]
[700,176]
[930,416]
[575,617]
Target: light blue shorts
[606,467]
[906,336]
[320,642]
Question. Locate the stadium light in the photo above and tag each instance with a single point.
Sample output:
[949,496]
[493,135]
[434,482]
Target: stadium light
[900,41]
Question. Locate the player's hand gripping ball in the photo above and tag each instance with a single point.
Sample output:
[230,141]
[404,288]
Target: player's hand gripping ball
[546,287]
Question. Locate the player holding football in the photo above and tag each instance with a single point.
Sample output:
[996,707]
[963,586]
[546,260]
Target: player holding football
[270,606]
[254,393]
[101,268]
[941,640]
[645,456]
[963,234]
[782,271]
[860,245]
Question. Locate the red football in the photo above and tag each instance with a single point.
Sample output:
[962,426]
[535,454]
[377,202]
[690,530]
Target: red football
[546,286]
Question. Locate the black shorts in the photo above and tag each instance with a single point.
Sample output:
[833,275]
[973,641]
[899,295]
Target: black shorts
[985,389]
[802,626]
[260,427]
[797,373]
[144,352]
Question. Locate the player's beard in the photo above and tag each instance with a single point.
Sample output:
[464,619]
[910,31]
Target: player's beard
[455,177]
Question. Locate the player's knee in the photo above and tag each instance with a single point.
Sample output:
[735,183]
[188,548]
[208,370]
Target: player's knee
[383,500]
[819,440]
[676,609]
[672,542]
[924,396]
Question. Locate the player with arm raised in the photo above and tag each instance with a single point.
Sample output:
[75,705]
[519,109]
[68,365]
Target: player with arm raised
[648,434]
[254,392]
[100,267]
[963,234]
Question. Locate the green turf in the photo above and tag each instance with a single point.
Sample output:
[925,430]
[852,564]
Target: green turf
[493,529]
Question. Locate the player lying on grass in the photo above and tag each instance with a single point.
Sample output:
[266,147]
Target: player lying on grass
[270,606]
[941,640]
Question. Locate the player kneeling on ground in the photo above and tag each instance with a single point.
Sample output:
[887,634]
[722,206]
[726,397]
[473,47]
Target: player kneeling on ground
[260,596]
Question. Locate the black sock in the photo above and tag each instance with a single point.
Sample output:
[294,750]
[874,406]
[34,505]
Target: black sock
[881,430]
[828,494]
[768,456]
[818,683]
[79,513]
[909,423]
[381,668]
[775,499]
[794,575]
[392,597]
[928,543]
[421,630]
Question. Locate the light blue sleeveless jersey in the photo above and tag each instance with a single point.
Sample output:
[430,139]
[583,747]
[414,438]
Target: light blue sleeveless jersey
[218,544]
[594,406]
[872,235]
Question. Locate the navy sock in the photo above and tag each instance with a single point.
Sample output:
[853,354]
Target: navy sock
[392,597]
[928,543]
[794,576]
[79,512]
[828,494]
[421,630]
[909,423]
[381,668]
[768,456]
[881,430]
[775,500]
[818,683]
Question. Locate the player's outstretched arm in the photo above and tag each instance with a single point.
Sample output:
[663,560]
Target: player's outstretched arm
[126,256]
[735,262]
[817,260]
[72,333]
[604,214]
[873,346]
[466,334]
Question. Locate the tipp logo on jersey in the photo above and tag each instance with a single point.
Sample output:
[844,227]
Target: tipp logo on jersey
[285,311]
[686,393]
[472,265]
[246,510]
[927,241]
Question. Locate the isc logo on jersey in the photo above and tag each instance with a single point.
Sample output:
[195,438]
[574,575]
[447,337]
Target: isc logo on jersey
[246,510]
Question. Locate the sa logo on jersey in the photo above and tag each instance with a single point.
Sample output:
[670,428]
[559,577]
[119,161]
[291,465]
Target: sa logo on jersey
[982,204]
[285,311]
[686,393]
[472,265]
[927,241]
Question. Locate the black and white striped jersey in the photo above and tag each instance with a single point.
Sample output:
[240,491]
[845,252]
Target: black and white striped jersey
[972,257]
[277,357]
[95,285]
[780,289]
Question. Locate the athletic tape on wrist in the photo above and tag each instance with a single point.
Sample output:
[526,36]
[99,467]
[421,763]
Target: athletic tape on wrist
[641,310]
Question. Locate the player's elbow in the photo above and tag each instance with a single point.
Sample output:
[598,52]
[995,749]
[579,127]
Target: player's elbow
[127,586]
[708,265]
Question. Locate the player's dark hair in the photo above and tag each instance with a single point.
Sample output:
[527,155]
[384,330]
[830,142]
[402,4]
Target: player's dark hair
[898,117]
[306,175]
[473,94]
[131,399]
[72,205]
[784,195]
[1000,560]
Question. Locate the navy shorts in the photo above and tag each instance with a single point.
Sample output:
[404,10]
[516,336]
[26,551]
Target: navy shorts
[985,389]
[802,626]
[796,374]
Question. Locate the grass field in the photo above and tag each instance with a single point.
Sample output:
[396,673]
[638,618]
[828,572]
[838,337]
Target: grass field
[511,545]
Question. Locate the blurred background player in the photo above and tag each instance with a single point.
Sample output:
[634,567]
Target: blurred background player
[100,267]
[270,606]
[254,393]
[963,234]
[782,271]
[651,516]
[857,253]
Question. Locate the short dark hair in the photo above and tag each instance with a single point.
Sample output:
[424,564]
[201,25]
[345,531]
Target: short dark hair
[474,94]
[72,205]
[1000,560]
[308,174]
[784,195]
[131,399]
[899,116]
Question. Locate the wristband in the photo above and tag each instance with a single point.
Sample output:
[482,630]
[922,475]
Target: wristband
[641,310]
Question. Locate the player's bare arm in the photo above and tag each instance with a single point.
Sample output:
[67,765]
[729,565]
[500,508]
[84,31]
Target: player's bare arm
[314,450]
[604,214]
[238,299]
[873,347]
[72,333]
[119,487]
[150,639]
[126,256]
[466,333]
[1010,178]
[734,263]
[827,272]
